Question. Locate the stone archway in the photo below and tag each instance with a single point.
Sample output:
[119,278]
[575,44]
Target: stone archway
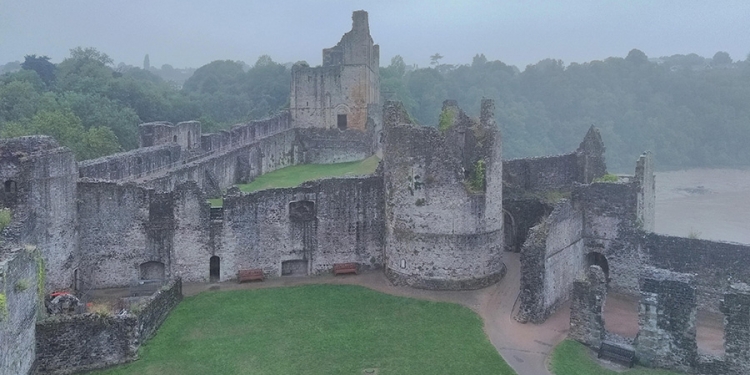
[596,258]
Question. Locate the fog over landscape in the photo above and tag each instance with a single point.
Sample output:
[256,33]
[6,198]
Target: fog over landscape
[194,33]
[359,187]
[688,105]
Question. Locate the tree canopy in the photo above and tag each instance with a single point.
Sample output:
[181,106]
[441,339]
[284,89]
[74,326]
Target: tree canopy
[689,110]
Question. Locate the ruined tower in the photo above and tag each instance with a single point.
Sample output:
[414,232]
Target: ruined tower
[346,89]
[443,204]
[39,187]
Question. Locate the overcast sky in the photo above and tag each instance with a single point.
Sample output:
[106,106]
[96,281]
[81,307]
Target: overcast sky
[193,33]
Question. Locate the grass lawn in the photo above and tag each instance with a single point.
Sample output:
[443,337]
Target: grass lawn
[316,329]
[296,175]
[572,358]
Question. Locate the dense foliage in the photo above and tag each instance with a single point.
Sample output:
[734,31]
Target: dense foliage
[94,108]
[690,111]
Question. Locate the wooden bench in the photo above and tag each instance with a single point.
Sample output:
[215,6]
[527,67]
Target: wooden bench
[342,268]
[617,353]
[250,275]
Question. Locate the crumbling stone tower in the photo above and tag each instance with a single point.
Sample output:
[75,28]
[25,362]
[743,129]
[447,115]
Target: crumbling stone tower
[341,93]
[443,199]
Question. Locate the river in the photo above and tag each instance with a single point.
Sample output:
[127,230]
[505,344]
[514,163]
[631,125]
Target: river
[711,204]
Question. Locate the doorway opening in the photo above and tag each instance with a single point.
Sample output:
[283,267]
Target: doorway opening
[600,260]
[214,269]
[341,122]
[295,267]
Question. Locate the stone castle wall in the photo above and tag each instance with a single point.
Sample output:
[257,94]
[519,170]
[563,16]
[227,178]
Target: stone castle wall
[716,264]
[346,85]
[187,134]
[114,236]
[132,164]
[40,189]
[19,300]
[68,344]
[441,234]
[552,258]
[316,225]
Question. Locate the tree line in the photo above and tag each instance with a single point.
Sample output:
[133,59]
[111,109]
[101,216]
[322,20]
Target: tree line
[688,110]
[94,108]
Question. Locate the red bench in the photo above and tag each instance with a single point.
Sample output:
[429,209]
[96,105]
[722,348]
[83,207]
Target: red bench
[342,268]
[250,275]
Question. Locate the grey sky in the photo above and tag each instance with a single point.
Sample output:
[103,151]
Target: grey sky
[193,33]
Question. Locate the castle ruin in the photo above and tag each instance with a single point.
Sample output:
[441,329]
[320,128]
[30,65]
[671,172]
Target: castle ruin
[439,213]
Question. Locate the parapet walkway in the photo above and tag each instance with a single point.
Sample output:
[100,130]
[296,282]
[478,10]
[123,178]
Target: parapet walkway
[524,346]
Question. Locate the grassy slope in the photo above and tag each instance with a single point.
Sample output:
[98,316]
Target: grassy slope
[317,329]
[296,175]
[572,358]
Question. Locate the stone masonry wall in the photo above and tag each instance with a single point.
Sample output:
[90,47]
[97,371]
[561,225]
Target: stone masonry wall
[131,164]
[192,249]
[541,173]
[18,309]
[716,264]
[40,189]
[187,134]
[328,146]
[346,85]
[156,308]
[646,197]
[440,234]
[113,233]
[736,309]
[552,258]
[67,344]
[318,224]
[666,317]
[587,308]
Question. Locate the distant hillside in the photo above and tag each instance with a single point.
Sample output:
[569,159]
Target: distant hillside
[691,111]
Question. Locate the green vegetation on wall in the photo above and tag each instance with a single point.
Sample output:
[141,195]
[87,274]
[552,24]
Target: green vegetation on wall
[3,306]
[5,218]
[477,178]
[446,120]
[609,177]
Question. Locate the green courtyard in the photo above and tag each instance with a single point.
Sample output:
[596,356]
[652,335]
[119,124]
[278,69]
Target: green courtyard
[298,174]
[316,329]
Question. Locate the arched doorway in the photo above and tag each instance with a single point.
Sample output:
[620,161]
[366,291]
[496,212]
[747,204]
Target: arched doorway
[594,258]
[214,269]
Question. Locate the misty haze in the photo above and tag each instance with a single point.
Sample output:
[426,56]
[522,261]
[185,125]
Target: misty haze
[573,177]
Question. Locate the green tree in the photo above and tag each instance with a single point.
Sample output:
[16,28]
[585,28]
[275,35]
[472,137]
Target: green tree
[42,66]
[435,59]
[85,71]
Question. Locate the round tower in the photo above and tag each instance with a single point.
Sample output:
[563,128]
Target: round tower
[443,199]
